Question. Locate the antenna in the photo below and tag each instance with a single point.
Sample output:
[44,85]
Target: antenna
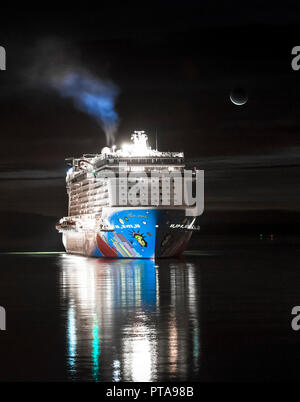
[156,138]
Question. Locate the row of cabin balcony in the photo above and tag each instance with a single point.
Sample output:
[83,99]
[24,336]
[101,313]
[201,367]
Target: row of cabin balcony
[146,169]
[124,199]
[77,190]
[89,177]
[88,194]
[86,212]
[84,207]
[139,160]
[103,188]
[87,200]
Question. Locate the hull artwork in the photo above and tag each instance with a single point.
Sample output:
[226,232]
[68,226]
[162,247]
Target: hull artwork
[134,233]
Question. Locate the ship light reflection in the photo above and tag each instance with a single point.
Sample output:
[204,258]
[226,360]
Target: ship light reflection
[116,372]
[97,293]
[173,345]
[96,349]
[140,353]
[72,340]
[126,320]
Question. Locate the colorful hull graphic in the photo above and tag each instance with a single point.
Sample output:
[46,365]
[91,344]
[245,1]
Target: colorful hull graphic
[134,233]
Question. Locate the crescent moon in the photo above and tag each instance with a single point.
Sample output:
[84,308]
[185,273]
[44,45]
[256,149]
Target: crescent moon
[238,100]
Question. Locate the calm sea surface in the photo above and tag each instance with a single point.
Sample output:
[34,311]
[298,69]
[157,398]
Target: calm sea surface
[221,314]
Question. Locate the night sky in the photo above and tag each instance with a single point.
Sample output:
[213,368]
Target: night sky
[175,67]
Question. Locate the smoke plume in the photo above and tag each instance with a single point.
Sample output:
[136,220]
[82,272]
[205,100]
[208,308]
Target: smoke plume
[91,95]
[56,64]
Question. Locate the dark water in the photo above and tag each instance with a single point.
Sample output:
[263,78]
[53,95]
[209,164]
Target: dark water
[217,315]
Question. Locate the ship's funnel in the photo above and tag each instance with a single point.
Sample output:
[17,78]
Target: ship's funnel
[105,151]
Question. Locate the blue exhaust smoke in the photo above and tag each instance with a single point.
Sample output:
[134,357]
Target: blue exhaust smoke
[91,95]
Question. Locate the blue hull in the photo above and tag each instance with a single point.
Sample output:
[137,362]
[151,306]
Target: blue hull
[134,233]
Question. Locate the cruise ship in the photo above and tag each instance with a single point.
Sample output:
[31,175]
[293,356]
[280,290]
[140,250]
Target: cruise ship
[127,203]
